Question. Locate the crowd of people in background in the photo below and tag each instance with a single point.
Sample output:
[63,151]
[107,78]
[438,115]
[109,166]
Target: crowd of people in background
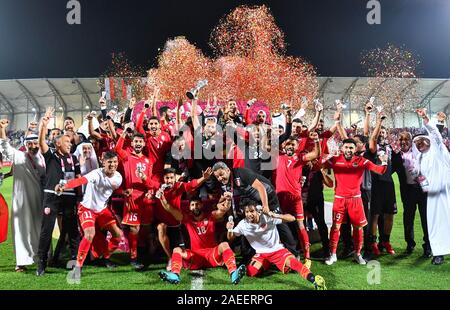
[199,186]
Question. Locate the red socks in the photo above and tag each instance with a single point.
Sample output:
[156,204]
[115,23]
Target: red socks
[133,242]
[83,250]
[300,268]
[177,263]
[357,239]
[304,241]
[229,260]
[334,239]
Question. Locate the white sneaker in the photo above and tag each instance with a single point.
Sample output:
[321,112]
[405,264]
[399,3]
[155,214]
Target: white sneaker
[331,260]
[359,259]
[169,265]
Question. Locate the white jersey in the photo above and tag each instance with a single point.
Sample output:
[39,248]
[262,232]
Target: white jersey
[263,237]
[99,188]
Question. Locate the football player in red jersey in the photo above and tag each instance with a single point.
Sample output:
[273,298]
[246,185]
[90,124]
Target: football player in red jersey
[169,233]
[157,143]
[348,171]
[204,251]
[137,171]
[289,189]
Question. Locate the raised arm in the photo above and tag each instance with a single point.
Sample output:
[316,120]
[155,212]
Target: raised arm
[314,154]
[287,218]
[318,108]
[129,111]
[375,168]
[112,130]
[368,109]
[190,186]
[223,206]
[338,124]
[432,129]
[288,132]
[43,130]
[262,194]
[154,101]
[176,213]
[92,131]
[123,155]
[376,132]
[194,116]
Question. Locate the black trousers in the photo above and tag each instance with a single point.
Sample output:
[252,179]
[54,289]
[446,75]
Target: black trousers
[315,205]
[67,206]
[415,198]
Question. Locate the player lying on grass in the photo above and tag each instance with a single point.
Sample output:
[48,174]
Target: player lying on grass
[93,211]
[204,251]
[260,231]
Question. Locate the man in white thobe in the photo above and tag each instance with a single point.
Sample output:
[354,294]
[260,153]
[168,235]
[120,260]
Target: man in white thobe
[26,213]
[433,175]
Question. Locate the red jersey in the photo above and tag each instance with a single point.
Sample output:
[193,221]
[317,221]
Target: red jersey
[323,137]
[173,197]
[349,174]
[168,127]
[130,165]
[289,172]
[106,144]
[157,148]
[201,234]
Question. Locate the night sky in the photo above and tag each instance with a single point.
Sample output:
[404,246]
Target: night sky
[36,41]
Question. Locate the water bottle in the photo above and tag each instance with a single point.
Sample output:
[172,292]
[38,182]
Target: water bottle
[61,183]
[230,220]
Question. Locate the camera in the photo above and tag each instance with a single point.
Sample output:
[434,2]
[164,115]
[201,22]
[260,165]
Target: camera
[146,105]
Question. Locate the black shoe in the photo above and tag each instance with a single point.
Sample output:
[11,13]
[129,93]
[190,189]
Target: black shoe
[409,249]
[40,270]
[437,260]
[108,263]
[137,265]
[346,253]
[427,254]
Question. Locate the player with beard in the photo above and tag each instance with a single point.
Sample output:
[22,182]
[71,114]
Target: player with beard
[169,233]
[348,171]
[383,202]
[157,143]
[204,251]
[289,190]
[137,173]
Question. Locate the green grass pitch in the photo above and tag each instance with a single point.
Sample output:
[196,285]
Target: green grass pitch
[397,272]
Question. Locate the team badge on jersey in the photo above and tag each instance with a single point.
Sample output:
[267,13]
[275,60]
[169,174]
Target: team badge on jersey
[355,164]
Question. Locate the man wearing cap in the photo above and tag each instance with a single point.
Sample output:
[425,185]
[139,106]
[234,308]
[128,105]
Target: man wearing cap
[433,169]
[26,217]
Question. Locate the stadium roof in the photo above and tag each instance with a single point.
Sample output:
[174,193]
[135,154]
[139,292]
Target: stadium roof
[32,96]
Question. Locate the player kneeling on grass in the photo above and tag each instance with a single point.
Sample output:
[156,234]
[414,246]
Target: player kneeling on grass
[260,231]
[93,212]
[204,252]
